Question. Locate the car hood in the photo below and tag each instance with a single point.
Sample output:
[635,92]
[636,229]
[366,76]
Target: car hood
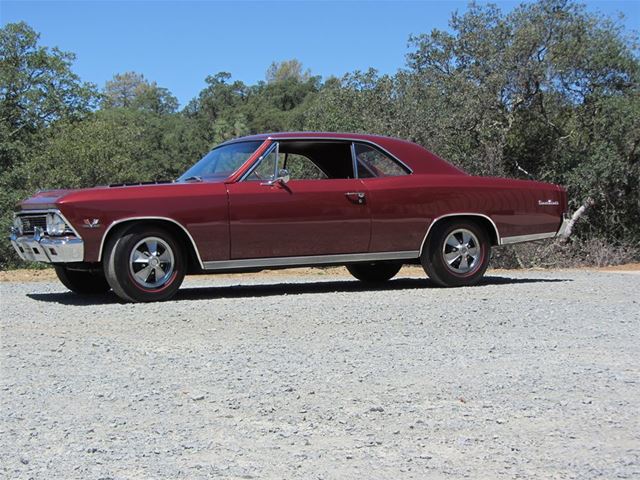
[46,199]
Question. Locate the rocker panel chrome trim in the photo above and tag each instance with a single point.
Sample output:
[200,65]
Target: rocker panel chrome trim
[527,238]
[309,260]
[130,219]
[461,214]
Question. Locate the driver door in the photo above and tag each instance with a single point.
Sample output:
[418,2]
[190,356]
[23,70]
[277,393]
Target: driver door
[301,217]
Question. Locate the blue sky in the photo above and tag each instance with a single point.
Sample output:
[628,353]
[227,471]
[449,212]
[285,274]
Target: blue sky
[178,44]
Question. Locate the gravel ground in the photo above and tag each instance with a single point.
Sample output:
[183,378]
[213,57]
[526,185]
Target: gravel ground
[530,375]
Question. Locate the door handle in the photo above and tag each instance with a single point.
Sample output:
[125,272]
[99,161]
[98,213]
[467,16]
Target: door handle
[356,197]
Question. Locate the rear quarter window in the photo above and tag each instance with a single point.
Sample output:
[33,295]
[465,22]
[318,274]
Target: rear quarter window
[374,163]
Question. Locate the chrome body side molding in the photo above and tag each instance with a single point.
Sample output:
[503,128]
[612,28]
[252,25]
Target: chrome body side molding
[130,219]
[309,260]
[460,214]
[527,238]
[562,232]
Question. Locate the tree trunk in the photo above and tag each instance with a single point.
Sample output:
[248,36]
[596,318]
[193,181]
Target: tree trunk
[577,214]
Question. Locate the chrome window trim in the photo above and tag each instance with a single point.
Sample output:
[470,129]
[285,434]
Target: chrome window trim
[460,214]
[275,145]
[366,167]
[302,261]
[260,143]
[46,211]
[353,141]
[354,160]
[131,219]
[408,171]
[348,139]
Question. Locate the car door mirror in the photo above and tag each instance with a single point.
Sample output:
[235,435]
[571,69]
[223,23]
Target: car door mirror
[283,177]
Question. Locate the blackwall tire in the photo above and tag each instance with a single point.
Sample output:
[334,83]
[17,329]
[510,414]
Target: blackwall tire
[82,282]
[144,264]
[457,253]
[374,272]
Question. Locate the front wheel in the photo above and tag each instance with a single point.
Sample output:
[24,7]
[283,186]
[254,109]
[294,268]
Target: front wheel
[457,254]
[375,272]
[144,264]
[84,282]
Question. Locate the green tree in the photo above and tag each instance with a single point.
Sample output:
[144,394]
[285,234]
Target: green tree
[37,87]
[548,91]
[132,90]
[287,70]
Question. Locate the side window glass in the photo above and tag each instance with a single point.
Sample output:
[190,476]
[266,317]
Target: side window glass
[265,170]
[373,163]
[300,167]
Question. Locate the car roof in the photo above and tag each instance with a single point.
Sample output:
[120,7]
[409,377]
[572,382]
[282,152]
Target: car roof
[314,135]
[418,158]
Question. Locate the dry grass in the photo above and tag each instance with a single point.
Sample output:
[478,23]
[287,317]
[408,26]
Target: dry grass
[565,254]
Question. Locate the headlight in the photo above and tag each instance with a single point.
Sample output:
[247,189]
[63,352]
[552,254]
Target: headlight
[17,224]
[55,224]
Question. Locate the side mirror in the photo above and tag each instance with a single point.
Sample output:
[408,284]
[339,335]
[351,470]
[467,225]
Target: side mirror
[283,177]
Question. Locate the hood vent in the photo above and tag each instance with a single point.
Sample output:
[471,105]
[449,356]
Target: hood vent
[132,184]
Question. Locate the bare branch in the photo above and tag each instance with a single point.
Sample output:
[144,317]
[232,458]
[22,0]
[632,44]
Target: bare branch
[577,214]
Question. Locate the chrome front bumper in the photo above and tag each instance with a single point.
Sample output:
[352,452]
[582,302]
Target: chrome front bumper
[48,249]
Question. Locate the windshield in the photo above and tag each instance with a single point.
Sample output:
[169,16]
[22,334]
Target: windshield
[221,161]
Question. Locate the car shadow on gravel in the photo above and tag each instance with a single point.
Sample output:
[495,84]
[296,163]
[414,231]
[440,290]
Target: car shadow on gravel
[288,288]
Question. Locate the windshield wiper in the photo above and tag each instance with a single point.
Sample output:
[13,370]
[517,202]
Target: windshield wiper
[193,178]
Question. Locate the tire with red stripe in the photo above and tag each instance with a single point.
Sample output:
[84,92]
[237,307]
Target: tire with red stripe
[457,253]
[144,264]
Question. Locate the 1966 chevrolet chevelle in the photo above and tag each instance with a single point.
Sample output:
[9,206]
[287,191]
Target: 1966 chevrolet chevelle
[283,200]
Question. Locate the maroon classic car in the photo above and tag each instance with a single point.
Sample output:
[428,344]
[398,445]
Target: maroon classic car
[371,203]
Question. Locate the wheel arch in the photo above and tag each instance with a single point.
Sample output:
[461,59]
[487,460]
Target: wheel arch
[177,229]
[487,223]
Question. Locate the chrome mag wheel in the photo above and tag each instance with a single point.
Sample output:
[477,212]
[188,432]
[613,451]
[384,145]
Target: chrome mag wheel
[151,263]
[461,251]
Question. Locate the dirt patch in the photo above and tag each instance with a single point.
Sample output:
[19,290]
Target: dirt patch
[26,275]
[622,268]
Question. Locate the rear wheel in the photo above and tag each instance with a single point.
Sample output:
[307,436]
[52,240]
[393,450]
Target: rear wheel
[85,282]
[457,253]
[144,264]
[374,272]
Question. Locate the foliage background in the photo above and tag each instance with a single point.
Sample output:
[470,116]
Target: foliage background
[548,91]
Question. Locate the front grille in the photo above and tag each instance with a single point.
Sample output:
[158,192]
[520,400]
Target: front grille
[30,222]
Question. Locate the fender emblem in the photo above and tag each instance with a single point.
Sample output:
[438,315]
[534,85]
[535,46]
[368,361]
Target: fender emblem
[91,223]
[545,203]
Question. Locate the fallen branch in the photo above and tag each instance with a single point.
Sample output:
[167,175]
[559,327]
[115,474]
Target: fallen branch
[576,216]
